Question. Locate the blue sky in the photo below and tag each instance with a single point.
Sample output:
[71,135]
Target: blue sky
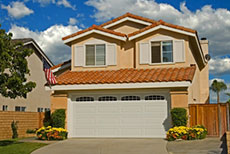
[47,21]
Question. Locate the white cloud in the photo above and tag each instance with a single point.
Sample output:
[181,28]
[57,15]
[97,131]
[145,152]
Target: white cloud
[218,66]
[50,40]
[223,97]
[72,21]
[65,3]
[17,9]
[211,23]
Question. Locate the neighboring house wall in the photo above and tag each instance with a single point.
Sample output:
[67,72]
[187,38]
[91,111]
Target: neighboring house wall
[39,97]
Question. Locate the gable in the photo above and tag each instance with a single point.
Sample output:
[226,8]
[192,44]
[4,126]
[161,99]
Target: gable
[127,27]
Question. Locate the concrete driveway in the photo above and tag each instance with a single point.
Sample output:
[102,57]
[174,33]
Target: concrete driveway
[106,146]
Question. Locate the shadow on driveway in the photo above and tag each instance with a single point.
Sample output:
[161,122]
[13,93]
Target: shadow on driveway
[205,146]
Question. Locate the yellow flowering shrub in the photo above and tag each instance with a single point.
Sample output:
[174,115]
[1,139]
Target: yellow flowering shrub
[51,133]
[186,133]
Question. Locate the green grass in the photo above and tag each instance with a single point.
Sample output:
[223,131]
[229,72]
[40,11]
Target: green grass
[15,147]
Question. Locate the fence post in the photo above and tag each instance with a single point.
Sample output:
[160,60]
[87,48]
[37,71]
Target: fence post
[227,113]
[219,119]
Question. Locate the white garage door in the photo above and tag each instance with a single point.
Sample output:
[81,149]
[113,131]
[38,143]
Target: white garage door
[110,117]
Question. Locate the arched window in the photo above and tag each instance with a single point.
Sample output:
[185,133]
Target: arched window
[154,97]
[130,98]
[84,99]
[107,98]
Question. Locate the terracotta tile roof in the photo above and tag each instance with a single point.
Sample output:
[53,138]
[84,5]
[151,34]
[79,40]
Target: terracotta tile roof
[128,15]
[61,64]
[161,22]
[96,28]
[127,76]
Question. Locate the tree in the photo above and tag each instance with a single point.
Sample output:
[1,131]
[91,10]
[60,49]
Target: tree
[229,96]
[14,67]
[217,87]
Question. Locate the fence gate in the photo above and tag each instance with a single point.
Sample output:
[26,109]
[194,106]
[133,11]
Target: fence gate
[215,117]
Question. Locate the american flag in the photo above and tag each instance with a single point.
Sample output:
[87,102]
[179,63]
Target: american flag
[48,73]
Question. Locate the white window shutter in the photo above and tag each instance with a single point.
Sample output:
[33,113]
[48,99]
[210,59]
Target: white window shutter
[111,54]
[179,51]
[79,56]
[144,53]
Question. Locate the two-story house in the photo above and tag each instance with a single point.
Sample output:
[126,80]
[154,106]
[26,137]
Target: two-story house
[126,75]
[38,100]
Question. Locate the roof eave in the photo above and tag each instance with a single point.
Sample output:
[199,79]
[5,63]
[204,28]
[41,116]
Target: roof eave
[67,41]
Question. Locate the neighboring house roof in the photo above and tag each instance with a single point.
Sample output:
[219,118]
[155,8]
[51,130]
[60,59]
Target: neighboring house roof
[27,41]
[127,76]
[61,66]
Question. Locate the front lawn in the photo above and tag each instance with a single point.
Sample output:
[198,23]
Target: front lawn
[15,147]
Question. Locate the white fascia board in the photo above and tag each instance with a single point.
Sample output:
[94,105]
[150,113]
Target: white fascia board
[127,19]
[182,84]
[44,56]
[61,67]
[94,31]
[161,27]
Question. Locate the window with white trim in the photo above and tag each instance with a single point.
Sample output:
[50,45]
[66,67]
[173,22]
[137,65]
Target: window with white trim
[20,108]
[95,55]
[107,98]
[4,107]
[130,98]
[84,99]
[154,97]
[162,52]
[40,109]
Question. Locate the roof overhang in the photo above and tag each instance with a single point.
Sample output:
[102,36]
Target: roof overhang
[127,19]
[122,38]
[177,84]
[61,67]
[192,35]
[40,51]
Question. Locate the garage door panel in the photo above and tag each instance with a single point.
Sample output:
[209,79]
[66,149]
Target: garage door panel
[120,119]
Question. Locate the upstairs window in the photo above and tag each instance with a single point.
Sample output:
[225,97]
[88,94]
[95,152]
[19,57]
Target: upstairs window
[95,55]
[161,52]
[154,97]
[130,98]
[84,99]
[40,109]
[107,98]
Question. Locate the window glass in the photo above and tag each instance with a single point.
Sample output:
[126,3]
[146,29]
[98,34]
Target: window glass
[107,98]
[154,97]
[130,98]
[90,54]
[4,107]
[23,109]
[167,50]
[84,99]
[17,108]
[156,52]
[47,109]
[100,54]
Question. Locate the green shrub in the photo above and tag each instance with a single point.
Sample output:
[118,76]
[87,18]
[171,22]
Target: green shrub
[31,131]
[47,120]
[14,128]
[179,117]
[58,118]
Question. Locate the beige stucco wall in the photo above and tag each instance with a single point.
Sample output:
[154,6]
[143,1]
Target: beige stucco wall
[127,27]
[59,101]
[39,97]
